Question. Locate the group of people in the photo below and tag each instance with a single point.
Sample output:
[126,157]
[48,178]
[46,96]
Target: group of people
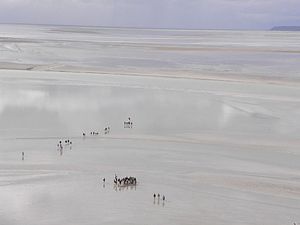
[128,124]
[95,133]
[60,146]
[126,181]
[106,130]
[60,143]
[158,197]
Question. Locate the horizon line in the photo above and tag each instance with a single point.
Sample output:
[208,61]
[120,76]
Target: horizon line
[133,27]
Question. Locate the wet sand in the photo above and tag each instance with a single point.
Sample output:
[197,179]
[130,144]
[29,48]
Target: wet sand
[222,151]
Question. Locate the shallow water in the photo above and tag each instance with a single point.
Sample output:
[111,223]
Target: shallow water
[222,151]
[220,156]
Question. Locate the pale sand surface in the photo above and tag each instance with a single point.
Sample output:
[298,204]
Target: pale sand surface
[205,54]
[222,150]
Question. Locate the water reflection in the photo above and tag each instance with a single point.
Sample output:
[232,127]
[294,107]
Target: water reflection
[60,149]
[44,99]
[57,110]
[158,201]
[51,110]
[125,188]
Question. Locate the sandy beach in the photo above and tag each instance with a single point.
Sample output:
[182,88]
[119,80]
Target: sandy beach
[215,126]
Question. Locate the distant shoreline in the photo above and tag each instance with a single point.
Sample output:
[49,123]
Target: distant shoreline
[286,28]
[128,27]
[275,28]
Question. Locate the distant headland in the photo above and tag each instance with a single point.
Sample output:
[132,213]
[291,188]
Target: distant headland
[286,28]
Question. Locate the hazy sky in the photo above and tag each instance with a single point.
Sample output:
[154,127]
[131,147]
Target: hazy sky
[228,14]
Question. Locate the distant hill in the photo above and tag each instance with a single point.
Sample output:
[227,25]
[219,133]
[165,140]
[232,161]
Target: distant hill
[286,28]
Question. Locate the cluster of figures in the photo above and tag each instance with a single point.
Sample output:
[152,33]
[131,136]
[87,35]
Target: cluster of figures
[126,181]
[67,142]
[158,199]
[60,146]
[106,130]
[128,124]
[95,133]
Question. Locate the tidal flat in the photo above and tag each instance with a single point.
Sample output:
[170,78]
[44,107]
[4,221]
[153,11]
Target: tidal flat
[215,126]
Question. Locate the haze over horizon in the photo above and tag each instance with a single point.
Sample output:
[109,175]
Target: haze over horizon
[193,14]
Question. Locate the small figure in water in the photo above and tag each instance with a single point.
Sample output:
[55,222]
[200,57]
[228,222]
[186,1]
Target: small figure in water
[164,198]
[158,195]
[154,196]
[23,155]
[103,180]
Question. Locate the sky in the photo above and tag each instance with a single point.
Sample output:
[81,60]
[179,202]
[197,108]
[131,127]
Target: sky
[184,14]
